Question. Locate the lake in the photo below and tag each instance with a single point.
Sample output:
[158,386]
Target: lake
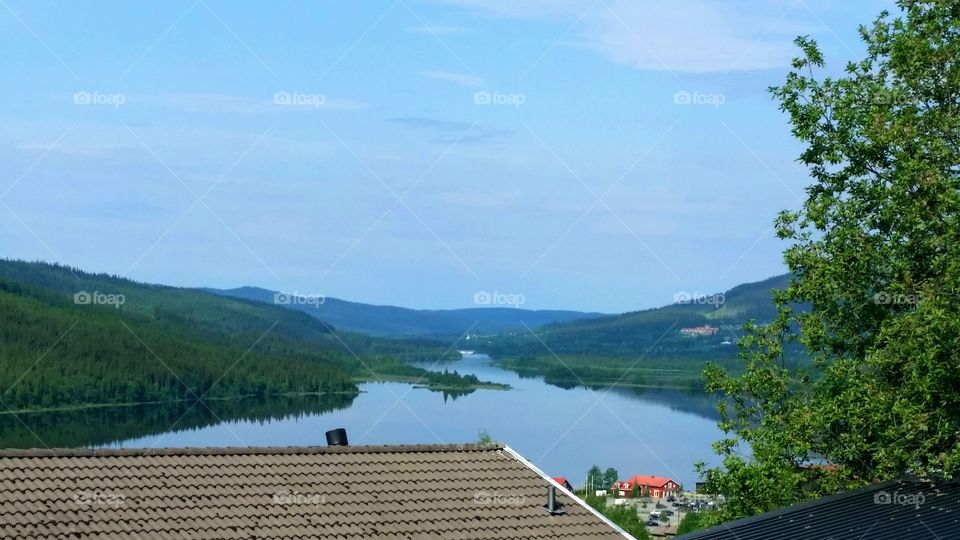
[564,432]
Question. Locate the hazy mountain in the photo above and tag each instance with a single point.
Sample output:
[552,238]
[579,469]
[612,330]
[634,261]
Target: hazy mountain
[398,321]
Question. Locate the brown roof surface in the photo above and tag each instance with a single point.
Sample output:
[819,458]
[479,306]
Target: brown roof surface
[410,492]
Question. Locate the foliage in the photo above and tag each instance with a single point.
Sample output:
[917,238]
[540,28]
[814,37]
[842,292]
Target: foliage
[484,437]
[610,477]
[875,254]
[692,521]
[624,516]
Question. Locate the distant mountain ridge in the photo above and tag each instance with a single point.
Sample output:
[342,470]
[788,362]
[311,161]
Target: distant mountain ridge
[394,321]
[655,332]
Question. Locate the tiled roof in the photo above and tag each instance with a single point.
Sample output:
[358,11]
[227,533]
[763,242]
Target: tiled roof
[352,492]
[653,481]
[896,510]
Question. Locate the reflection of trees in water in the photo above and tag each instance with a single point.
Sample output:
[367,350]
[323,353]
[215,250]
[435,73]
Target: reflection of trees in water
[699,403]
[452,394]
[108,425]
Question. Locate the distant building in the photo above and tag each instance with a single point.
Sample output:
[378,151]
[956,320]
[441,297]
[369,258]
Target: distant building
[698,331]
[562,480]
[647,486]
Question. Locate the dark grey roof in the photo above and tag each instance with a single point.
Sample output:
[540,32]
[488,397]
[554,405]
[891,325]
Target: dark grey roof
[896,510]
[424,492]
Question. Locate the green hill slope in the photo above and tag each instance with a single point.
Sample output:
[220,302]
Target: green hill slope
[70,338]
[642,348]
[656,332]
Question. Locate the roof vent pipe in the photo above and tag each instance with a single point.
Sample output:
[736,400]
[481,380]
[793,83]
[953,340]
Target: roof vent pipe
[337,437]
[553,507]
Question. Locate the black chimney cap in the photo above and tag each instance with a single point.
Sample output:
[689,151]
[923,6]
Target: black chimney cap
[337,437]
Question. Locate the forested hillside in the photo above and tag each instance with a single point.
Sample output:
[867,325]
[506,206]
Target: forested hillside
[656,332]
[70,338]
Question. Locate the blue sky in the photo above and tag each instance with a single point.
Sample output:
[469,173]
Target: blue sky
[597,155]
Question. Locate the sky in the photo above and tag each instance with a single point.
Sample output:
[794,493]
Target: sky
[600,155]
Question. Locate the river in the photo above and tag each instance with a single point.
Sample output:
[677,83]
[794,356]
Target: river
[658,432]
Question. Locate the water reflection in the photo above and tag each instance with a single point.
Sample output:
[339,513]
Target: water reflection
[104,426]
[653,431]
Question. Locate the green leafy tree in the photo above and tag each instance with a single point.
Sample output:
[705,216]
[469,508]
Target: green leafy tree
[595,479]
[609,477]
[875,257]
[692,521]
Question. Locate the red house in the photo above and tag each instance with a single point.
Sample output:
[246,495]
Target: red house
[650,486]
[562,480]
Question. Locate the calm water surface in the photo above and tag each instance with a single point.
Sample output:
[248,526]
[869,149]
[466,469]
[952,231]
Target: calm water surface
[564,432]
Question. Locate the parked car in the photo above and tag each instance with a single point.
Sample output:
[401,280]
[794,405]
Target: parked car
[653,523]
[668,512]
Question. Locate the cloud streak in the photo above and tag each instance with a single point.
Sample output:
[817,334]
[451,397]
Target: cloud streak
[462,79]
[688,36]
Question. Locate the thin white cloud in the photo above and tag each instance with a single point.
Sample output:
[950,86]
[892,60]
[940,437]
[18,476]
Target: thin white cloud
[463,79]
[692,36]
[74,149]
[437,29]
